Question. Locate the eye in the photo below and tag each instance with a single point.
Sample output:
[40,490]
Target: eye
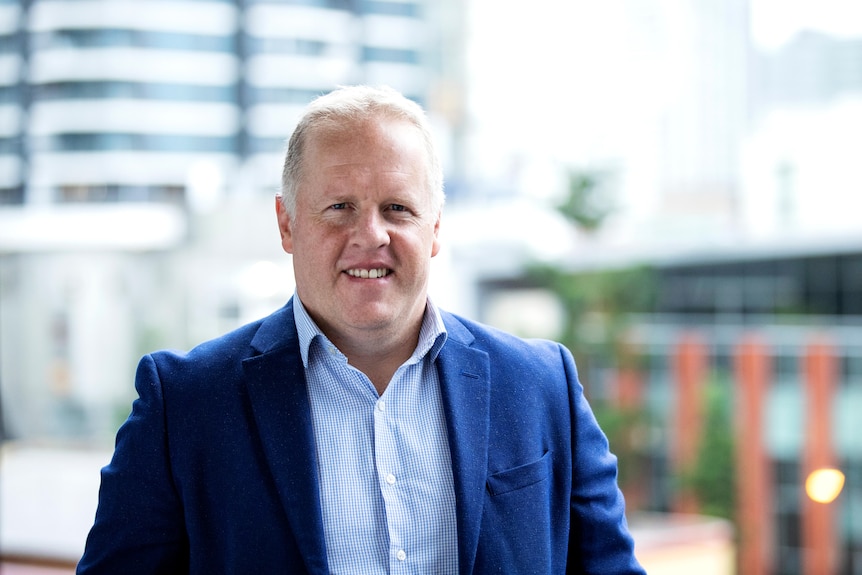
[339,206]
[398,208]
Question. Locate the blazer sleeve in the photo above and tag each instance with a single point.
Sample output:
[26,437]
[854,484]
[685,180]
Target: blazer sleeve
[139,526]
[599,539]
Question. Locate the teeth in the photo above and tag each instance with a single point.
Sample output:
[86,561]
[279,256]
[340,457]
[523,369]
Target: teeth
[368,274]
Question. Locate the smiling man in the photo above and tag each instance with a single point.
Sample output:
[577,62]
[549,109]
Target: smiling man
[362,227]
[360,429]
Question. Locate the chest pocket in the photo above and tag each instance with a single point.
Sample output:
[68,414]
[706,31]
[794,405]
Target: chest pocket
[520,477]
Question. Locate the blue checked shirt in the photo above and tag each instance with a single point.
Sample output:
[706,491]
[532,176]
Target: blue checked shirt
[385,471]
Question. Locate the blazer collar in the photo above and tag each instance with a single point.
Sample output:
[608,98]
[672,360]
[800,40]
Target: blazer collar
[276,385]
[465,385]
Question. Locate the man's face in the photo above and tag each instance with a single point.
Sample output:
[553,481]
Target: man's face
[364,230]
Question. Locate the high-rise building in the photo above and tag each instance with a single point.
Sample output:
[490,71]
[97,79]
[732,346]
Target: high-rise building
[117,101]
[799,160]
[11,97]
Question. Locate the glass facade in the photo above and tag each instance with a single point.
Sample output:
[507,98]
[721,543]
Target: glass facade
[114,89]
[106,141]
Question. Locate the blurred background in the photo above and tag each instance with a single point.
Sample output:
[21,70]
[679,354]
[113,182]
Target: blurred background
[670,187]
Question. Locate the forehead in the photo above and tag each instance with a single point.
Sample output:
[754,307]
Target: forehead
[373,138]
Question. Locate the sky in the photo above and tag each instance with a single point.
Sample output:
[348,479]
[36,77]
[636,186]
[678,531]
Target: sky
[526,68]
[773,22]
[558,83]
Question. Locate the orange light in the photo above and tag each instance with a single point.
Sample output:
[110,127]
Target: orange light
[824,485]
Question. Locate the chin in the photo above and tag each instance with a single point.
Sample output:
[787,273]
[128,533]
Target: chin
[373,319]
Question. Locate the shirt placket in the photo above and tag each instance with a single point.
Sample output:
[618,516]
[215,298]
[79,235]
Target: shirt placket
[390,478]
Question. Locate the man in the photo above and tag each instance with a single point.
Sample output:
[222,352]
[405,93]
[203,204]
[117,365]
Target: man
[360,429]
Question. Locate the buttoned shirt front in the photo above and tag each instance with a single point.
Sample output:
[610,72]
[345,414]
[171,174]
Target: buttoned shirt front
[386,487]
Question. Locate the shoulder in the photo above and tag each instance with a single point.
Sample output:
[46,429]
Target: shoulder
[225,353]
[500,344]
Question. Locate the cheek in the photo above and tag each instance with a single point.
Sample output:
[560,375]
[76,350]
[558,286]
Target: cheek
[317,247]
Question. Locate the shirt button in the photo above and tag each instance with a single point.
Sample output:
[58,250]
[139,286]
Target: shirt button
[401,555]
[381,405]
[390,479]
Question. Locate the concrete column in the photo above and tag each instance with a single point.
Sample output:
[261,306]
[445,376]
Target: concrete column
[754,479]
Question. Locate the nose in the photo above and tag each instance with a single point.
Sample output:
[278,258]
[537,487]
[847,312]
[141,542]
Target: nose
[372,230]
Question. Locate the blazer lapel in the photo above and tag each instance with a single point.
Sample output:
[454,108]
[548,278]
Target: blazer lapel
[465,384]
[277,389]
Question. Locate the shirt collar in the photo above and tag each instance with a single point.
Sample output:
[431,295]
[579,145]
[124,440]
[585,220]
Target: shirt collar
[432,334]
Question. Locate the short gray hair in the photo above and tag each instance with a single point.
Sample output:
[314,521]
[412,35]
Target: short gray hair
[350,104]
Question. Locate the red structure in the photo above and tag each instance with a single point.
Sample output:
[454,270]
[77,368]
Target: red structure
[629,389]
[690,369]
[754,476]
[818,519]
[628,398]
[756,518]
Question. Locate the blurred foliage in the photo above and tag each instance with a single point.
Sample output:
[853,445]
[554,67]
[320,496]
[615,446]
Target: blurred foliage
[588,202]
[628,431]
[712,478]
[596,305]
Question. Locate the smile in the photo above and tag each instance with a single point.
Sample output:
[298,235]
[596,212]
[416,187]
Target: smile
[369,274]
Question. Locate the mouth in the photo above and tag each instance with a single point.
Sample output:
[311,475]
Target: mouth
[374,273]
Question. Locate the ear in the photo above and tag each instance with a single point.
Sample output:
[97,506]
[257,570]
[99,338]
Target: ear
[284,225]
[435,246]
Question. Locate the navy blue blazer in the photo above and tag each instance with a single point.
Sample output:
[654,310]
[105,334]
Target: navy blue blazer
[214,471]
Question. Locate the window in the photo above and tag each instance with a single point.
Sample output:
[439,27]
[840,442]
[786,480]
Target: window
[331,4]
[122,37]
[282,95]
[407,9]
[9,43]
[105,142]
[134,90]
[85,193]
[10,145]
[297,46]
[9,94]
[267,145]
[378,54]
[11,196]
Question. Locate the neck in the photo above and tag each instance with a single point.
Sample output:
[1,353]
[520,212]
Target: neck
[380,362]
[376,352]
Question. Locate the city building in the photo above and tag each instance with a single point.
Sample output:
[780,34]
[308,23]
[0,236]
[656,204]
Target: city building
[761,315]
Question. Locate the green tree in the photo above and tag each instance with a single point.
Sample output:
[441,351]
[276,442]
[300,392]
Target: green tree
[712,478]
[587,203]
[596,306]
